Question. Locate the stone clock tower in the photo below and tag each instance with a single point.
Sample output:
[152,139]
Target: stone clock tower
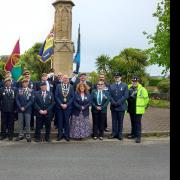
[63,45]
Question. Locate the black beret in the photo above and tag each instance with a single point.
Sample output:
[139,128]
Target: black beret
[43,84]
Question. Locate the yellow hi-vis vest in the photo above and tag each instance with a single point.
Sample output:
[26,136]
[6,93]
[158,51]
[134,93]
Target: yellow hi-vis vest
[142,99]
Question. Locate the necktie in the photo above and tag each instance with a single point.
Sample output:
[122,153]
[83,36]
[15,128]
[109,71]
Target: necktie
[99,98]
[44,96]
[25,92]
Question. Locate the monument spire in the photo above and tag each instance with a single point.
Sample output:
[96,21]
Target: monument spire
[63,45]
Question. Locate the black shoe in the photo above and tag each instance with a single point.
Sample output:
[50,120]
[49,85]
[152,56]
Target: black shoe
[10,138]
[47,140]
[120,138]
[2,137]
[29,140]
[138,140]
[37,140]
[19,138]
[130,136]
[32,129]
[112,137]
[101,138]
[67,139]
[59,139]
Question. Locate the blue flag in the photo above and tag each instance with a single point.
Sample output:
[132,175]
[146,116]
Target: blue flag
[77,56]
[47,50]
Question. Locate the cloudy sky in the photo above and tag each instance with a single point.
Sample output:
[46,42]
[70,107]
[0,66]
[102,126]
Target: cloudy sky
[107,27]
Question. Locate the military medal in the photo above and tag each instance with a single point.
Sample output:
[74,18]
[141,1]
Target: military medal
[65,99]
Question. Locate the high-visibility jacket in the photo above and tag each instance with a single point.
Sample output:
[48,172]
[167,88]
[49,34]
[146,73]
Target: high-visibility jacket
[142,99]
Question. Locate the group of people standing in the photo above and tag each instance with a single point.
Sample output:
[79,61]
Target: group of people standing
[67,102]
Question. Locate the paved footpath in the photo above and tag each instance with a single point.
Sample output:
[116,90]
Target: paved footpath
[156,121]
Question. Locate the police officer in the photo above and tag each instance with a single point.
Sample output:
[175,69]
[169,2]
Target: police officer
[8,108]
[43,104]
[118,96]
[24,101]
[137,104]
[64,96]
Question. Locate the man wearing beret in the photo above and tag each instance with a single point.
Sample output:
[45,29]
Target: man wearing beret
[32,86]
[118,96]
[24,101]
[8,108]
[43,104]
[9,75]
[137,104]
[44,78]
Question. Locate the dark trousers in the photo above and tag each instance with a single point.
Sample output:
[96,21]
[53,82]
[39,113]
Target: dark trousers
[136,125]
[105,121]
[32,119]
[40,121]
[63,117]
[7,123]
[98,124]
[55,118]
[117,123]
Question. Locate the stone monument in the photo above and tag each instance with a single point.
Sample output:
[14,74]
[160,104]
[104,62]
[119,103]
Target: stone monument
[63,45]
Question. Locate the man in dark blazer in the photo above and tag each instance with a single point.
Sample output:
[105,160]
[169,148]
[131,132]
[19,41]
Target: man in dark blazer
[8,108]
[58,80]
[44,78]
[32,86]
[43,104]
[118,96]
[83,79]
[64,96]
[24,101]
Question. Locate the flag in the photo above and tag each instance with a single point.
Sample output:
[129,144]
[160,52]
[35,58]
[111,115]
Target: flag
[77,56]
[47,50]
[13,63]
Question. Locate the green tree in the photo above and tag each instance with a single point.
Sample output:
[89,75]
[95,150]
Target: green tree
[102,63]
[129,62]
[160,51]
[93,77]
[30,62]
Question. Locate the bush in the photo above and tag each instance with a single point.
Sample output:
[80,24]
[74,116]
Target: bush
[93,77]
[154,81]
[159,103]
[164,86]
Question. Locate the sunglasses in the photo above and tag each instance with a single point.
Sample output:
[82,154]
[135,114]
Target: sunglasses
[100,84]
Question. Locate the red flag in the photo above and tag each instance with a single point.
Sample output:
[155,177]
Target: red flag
[13,58]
